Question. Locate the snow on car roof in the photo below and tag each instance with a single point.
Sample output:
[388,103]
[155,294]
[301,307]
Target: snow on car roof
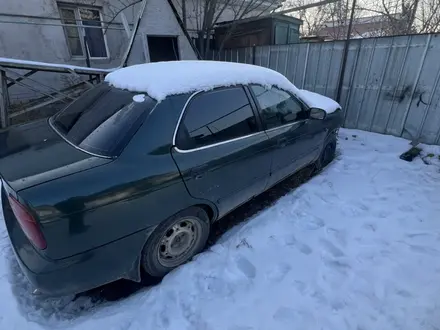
[162,79]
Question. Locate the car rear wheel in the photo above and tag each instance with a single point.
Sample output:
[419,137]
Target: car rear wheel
[176,241]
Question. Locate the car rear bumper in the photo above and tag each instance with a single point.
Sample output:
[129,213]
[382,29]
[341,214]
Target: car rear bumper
[78,273]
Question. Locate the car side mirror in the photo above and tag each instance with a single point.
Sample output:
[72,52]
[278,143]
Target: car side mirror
[316,113]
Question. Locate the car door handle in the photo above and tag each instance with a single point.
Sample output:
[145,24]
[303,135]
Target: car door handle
[303,122]
[197,173]
[282,142]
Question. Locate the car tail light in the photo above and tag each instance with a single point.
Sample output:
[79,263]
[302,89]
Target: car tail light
[27,223]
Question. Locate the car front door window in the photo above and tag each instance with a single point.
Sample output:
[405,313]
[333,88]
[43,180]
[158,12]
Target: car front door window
[278,107]
[216,116]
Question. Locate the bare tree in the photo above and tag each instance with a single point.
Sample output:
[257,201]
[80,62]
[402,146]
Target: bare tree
[427,18]
[329,20]
[201,16]
[398,14]
[116,8]
[313,18]
[406,16]
[372,18]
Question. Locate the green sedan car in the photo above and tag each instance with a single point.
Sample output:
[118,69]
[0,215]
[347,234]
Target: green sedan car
[127,179]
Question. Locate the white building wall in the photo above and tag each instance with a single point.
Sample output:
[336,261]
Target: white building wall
[29,39]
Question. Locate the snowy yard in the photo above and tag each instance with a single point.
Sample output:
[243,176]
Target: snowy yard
[356,247]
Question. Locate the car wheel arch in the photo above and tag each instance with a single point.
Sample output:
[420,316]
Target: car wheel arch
[210,210]
[331,139]
[135,272]
[148,263]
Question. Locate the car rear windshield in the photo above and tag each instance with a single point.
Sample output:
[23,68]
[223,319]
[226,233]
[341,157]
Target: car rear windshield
[103,120]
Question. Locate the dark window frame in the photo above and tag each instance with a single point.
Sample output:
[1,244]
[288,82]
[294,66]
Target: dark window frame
[80,27]
[180,123]
[304,106]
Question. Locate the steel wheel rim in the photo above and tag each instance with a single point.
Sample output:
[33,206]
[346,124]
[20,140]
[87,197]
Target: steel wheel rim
[177,243]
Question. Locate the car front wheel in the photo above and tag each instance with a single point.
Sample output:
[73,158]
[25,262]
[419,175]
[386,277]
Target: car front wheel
[176,241]
[327,155]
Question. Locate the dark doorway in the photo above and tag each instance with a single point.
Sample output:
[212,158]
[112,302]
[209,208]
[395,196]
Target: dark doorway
[163,49]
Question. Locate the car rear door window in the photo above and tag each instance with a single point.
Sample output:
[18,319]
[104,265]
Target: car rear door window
[103,120]
[216,116]
[278,107]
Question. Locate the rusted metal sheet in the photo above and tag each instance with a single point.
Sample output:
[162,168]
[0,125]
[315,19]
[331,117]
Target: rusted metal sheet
[391,84]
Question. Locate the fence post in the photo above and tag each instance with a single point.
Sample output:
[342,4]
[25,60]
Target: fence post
[4,100]
[345,53]
[254,53]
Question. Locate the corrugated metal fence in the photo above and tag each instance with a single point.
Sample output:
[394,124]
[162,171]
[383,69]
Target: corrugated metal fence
[391,84]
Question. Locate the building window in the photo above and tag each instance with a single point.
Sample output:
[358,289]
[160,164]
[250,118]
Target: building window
[163,48]
[86,34]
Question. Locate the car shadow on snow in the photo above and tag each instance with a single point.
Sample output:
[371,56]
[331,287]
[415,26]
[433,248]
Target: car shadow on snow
[43,309]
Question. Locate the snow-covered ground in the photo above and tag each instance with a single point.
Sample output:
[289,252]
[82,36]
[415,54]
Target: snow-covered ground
[356,247]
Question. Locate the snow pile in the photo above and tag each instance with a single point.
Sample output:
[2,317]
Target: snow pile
[357,247]
[315,100]
[162,79]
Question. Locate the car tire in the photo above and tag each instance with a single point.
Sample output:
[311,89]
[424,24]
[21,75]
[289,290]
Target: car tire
[327,154]
[175,241]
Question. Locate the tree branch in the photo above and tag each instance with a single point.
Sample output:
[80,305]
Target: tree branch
[118,12]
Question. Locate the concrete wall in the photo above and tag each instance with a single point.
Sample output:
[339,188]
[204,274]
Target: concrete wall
[47,43]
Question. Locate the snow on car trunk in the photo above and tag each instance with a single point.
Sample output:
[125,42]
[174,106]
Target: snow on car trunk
[356,247]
